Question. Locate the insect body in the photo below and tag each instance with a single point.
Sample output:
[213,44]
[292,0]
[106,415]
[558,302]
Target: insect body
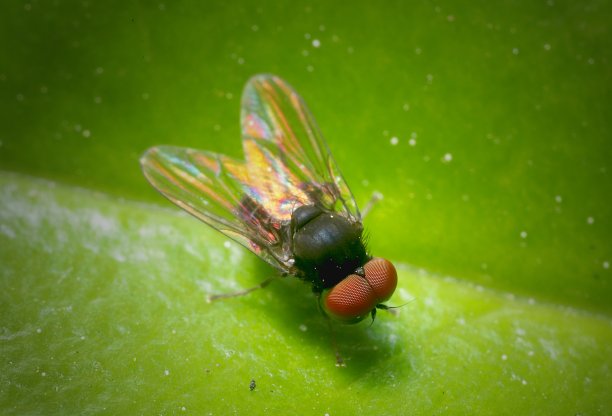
[287,202]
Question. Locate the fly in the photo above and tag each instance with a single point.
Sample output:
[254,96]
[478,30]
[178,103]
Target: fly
[287,201]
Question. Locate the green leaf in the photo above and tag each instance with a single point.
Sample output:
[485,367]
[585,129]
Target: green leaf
[496,208]
[106,300]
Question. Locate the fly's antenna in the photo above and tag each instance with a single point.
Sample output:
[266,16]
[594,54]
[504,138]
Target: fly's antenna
[391,309]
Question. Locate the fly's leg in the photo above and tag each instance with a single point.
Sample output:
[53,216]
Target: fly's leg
[339,360]
[376,196]
[263,284]
[332,333]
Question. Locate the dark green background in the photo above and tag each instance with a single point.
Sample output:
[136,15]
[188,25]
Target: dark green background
[517,92]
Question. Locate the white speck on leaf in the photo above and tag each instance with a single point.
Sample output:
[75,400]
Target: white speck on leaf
[118,256]
[550,348]
[102,224]
[7,231]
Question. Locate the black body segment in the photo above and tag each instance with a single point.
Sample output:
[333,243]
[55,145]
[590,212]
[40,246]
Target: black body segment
[327,247]
[304,214]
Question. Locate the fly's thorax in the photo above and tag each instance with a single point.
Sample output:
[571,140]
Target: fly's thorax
[303,215]
[326,245]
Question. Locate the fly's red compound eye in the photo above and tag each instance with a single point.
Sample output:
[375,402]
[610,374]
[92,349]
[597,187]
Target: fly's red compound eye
[382,277]
[354,297]
[349,301]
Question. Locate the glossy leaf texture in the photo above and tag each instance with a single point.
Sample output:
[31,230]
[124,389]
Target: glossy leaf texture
[128,319]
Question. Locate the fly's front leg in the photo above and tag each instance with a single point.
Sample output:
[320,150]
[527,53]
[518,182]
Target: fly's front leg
[332,332]
[376,196]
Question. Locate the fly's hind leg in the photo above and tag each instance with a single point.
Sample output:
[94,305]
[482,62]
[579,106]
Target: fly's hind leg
[376,196]
[263,284]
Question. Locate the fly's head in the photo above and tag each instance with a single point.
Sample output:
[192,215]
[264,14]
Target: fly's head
[360,293]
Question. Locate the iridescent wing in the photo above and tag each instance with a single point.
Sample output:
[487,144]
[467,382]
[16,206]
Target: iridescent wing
[211,187]
[280,137]
[287,164]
